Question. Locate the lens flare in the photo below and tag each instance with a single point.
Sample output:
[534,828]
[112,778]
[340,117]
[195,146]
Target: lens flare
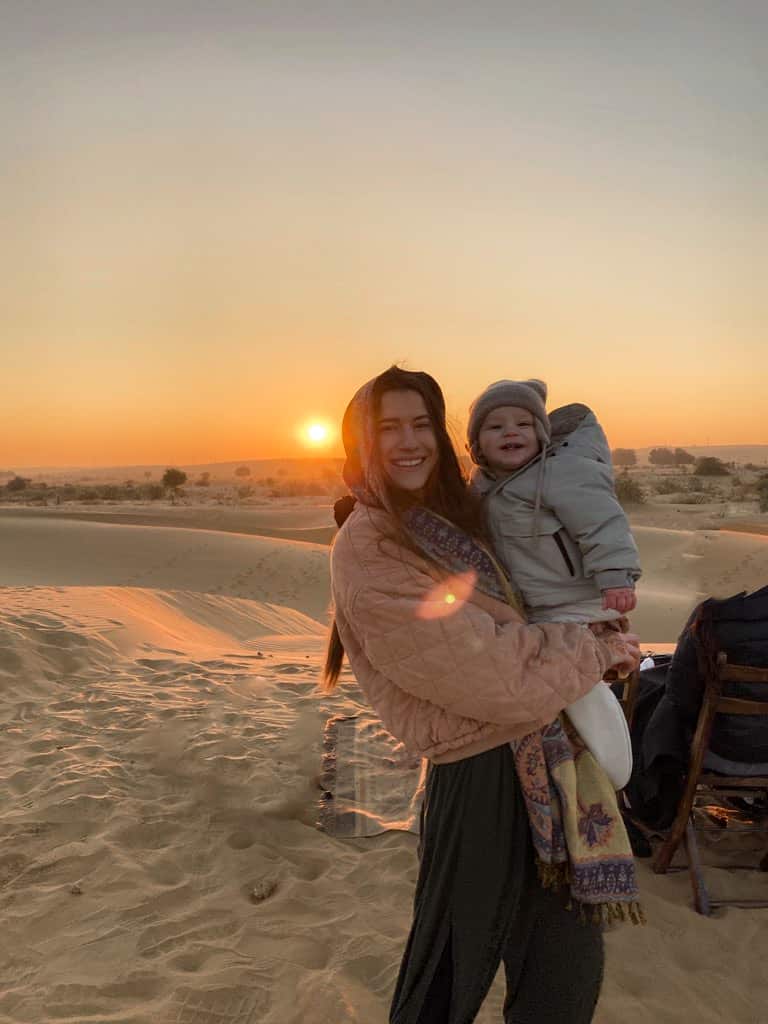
[448,596]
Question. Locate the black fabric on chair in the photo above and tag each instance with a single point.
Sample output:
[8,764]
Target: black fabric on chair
[669,699]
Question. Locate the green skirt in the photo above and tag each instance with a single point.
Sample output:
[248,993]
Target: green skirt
[479,901]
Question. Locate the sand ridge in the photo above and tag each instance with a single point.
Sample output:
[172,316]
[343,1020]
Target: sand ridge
[41,550]
[153,796]
[680,567]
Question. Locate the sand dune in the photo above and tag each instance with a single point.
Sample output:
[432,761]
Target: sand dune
[156,769]
[42,550]
[680,567]
[159,860]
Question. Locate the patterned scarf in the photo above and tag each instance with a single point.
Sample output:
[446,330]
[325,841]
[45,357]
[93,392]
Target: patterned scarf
[577,829]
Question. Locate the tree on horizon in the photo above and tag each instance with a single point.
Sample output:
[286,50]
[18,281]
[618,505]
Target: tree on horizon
[683,458]
[172,480]
[624,457]
[661,457]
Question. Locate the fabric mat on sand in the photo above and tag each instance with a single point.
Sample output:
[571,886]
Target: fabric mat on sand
[370,784]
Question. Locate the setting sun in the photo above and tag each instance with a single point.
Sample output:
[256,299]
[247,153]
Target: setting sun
[316,434]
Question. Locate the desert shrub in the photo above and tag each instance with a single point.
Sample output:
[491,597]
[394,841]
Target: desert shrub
[762,493]
[692,499]
[204,480]
[244,491]
[696,485]
[243,471]
[669,485]
[298,489]
[153,492]
[708,465]
[17,483]
[739,491]
[629,491]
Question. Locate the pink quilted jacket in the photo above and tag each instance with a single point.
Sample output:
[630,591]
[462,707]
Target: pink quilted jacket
[454,685]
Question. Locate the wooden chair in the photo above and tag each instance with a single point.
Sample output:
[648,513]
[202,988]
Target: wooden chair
[715,671]
[628,698]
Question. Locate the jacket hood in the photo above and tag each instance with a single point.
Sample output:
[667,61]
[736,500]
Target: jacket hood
[575,427]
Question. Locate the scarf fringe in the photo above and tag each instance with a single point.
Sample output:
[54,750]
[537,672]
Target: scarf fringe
[558,876]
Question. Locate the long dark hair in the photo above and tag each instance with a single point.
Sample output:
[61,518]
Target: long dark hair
[445,492]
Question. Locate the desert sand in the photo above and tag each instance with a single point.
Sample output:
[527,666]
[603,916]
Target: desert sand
[162,738]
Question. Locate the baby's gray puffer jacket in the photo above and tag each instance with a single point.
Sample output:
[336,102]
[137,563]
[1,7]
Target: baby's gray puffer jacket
[578,542]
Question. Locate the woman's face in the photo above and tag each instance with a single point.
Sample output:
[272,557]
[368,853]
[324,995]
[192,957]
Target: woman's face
[406,440]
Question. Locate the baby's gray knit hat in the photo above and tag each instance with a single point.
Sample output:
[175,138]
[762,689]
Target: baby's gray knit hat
[525,394]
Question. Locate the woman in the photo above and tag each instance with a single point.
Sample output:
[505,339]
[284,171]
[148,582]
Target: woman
[434,636]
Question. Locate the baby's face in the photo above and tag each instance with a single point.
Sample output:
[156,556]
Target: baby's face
[508,438]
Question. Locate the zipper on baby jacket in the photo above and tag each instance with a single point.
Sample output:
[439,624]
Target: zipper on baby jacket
[564,552]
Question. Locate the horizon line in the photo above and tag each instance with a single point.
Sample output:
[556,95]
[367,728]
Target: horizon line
[309,458]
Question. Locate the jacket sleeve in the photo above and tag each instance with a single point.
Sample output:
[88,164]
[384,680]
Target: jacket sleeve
[466,662]
[584,499]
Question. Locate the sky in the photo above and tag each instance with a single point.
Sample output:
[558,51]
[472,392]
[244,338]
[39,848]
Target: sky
[219,219]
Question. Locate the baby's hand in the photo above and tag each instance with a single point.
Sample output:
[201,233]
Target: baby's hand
[620,599]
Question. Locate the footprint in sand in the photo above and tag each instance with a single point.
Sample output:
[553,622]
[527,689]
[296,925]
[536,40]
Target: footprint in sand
[241,840]
[11,866]
[160,940]
[234,1005]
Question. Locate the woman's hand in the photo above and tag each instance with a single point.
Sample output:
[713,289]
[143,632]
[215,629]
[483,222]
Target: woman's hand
[623,648]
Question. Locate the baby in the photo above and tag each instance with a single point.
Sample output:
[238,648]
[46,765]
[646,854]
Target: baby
[552,510]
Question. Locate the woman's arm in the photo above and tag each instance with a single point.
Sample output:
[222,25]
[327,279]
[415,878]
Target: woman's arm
[467,663]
